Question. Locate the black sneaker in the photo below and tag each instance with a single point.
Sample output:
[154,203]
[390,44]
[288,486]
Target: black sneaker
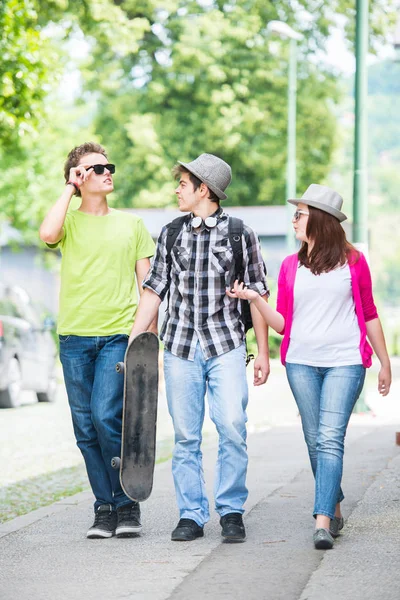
[128,520]
[186,531]
[232,528]
[105,520]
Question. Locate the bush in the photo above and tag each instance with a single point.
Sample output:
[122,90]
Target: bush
[274,343]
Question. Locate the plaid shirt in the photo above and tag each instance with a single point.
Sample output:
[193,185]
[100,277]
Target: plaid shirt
[201,267]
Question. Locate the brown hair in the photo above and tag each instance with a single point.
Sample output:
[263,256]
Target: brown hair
[76,154]
[179,169]
[330,248]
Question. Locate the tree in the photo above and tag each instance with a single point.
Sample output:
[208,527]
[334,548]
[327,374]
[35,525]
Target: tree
[32,171]
[170,79]
[204,78]
[27,64]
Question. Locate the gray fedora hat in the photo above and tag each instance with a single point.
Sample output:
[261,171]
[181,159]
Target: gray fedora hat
[212,171]
[324,198]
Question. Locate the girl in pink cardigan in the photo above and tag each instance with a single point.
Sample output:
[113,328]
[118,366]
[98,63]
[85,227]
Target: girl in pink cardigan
[325,312]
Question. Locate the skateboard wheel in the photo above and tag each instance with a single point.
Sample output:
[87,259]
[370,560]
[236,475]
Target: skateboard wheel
[115,462]
[120,367]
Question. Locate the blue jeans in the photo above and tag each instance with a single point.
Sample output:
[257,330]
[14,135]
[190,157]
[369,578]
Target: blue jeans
[95,395]
[325,397]
[224,379]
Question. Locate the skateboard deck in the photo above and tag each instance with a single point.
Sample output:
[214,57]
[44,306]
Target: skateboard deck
[138,450]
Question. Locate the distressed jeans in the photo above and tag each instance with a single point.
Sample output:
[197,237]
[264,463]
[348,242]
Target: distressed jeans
[325,397]
[95,396]
[224,379]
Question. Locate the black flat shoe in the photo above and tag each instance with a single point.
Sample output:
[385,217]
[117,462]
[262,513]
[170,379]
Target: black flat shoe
[187,530]
[335,526]
[322,539]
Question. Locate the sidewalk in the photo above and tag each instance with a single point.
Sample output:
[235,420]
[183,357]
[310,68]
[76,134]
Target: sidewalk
[45,555]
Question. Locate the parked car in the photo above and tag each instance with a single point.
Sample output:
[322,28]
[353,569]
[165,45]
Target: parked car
[27,349]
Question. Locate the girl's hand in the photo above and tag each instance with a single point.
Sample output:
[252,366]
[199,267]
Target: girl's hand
[384,380]
[241,291]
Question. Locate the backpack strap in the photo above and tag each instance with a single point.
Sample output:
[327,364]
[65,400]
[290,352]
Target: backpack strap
[235,233]
[173,231]
[174,227]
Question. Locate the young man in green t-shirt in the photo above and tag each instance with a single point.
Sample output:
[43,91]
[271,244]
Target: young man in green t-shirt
[101,249]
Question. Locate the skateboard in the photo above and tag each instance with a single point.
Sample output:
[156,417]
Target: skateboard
[139,416]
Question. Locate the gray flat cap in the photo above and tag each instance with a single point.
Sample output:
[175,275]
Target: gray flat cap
[212,171]
[324,198]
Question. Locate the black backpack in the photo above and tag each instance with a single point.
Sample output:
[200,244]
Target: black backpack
[235,232]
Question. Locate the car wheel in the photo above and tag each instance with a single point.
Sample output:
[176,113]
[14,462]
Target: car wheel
[50,394]
[11,396]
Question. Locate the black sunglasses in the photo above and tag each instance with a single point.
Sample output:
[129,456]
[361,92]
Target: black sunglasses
[99,169]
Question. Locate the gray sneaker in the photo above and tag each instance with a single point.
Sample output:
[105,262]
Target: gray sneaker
[105,521]
[322,539]
[336,525]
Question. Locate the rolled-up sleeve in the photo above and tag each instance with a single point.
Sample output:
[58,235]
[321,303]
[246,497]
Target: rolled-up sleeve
[157,278]
[365,285]
[255,271]
[281,302]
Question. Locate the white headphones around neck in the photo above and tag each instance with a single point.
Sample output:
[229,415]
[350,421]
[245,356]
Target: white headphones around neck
[209,222]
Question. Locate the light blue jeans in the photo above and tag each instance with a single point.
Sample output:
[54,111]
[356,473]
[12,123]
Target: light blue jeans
[326,397]
[224,380]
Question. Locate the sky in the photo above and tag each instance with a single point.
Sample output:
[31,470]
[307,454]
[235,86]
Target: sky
[338,55]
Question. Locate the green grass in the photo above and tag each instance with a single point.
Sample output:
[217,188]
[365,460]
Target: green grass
[30,494]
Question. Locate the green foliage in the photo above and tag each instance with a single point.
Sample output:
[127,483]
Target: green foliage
[209,77]
[384,79]
[383,112]
[32,174]
[274,341]
[383,177]
[389,279]
[26,67]
[167,80]
[384,156]
[209,81]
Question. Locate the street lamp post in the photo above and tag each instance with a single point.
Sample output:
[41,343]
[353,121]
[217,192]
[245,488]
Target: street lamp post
[360,190]
[360,178]
[284,30]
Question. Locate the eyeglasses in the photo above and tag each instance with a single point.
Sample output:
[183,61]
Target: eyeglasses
[298,213]
[99,169]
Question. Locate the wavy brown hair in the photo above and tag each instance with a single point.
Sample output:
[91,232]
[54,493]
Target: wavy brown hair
[331,247]
[76,154]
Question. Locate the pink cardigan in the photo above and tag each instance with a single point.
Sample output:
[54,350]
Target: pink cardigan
[362,294]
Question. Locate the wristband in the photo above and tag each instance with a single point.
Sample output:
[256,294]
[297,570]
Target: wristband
[74,184]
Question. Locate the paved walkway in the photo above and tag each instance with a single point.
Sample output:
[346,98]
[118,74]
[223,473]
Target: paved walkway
[45,555]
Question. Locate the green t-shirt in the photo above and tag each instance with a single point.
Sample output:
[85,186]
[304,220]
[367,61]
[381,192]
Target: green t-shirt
[98,295]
